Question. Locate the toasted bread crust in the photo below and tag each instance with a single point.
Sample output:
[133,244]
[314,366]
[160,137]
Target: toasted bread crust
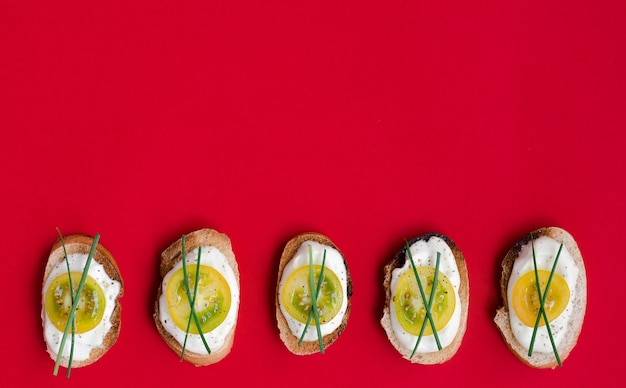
[502,318]
[449,351]
[290,340]
[80,243]
[169,258]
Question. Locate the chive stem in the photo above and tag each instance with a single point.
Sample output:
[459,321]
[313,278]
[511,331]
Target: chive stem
[70,318]
[427,304]
[192,300]
[542,299]
[424,301]
[428,307]
[318,289]
[69,276]
[314,301]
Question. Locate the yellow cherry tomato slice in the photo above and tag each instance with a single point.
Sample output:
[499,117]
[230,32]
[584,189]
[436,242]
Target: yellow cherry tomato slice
[410,309]
[90,305]
[296,294]
[526,299]
[212,298]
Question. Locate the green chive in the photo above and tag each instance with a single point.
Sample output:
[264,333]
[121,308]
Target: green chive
[70,319]
[314,301]
[69,275]
[318,289]
[542,299]
[428,308]
[424,301]
[192,300]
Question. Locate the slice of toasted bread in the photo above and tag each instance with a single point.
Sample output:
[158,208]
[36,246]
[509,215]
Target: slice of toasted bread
[169,258]
[443,355]
[81,244]
[288,338]
[574,326]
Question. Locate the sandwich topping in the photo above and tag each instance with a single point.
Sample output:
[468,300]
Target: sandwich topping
[409,305]
[94,310]
[407,308]
[526,301]
[295,294]
[90,305]
[216,301]
[212,299]
[524,296]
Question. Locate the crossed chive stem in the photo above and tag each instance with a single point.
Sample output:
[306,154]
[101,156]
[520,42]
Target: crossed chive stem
[427,303]
[315,291]
[192,299]
[71,318]
[542,299]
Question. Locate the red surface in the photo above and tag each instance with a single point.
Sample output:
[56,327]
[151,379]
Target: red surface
[371,122]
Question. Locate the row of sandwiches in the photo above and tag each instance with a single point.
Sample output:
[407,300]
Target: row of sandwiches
[543,288]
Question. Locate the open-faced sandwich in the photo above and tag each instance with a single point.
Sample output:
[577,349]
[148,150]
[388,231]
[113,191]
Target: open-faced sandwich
[81,307]
[541,324]
[198,270]
[426,299]
[313,294]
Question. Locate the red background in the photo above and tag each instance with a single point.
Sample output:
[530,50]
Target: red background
[369,121]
